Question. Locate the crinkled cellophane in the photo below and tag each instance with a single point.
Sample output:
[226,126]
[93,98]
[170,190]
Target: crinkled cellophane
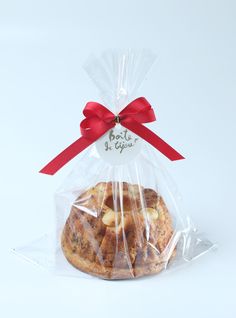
[118,221]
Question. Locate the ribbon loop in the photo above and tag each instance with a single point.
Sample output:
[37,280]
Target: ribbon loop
[98,110]
[98,120]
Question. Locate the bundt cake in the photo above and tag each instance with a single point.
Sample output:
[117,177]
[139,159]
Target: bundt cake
[118,230]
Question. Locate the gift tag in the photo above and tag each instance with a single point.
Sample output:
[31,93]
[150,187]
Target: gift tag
[119,145]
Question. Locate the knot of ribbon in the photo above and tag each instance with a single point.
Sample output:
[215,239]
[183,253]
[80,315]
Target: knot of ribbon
[98,120]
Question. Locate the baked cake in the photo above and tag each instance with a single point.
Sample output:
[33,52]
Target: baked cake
[117,231]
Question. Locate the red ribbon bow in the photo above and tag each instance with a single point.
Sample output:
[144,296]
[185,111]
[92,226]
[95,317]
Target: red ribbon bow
[98,120]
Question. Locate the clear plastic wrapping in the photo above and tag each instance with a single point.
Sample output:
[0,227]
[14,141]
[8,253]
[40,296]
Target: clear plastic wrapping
[118,214]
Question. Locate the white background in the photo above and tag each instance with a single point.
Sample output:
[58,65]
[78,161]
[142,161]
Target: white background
[43,45]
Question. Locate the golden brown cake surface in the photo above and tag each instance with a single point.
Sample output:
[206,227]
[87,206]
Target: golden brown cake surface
[118,230]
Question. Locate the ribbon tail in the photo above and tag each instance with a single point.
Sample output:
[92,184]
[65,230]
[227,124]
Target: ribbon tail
[153,139]
[66,155]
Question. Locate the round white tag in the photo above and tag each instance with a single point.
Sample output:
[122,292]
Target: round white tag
[119,145]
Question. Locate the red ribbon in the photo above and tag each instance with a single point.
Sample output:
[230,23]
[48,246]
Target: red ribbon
[98,120]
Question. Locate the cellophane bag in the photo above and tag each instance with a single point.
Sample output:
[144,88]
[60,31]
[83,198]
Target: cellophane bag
[118,213]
